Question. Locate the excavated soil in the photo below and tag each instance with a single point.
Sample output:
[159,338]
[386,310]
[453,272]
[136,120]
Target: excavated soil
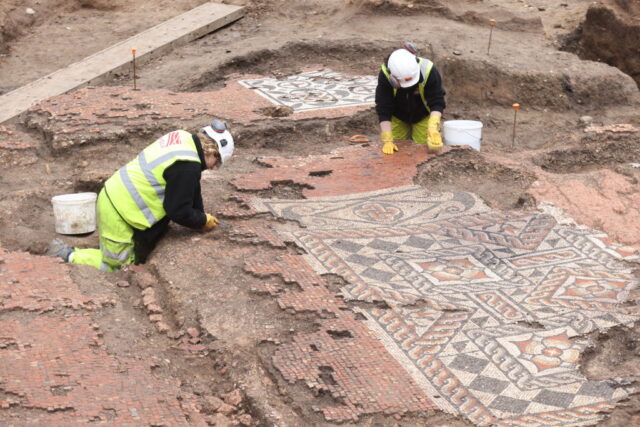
[596,152]
[348,57]
[611,34]
[614,356]
[498,186]
[200,278]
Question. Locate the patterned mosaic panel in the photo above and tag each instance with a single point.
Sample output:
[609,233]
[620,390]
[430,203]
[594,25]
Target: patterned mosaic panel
[316,90]
[486,309]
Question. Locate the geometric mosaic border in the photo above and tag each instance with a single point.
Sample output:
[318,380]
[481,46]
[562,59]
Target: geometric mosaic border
[315,90]
[485,308]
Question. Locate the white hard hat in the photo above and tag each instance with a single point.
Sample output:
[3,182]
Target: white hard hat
[218,131]
[404,67]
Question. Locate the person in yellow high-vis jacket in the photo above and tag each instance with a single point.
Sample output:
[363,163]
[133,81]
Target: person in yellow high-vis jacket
[410,100]
[161,184]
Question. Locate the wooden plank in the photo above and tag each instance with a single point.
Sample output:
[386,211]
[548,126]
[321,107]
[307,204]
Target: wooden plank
[163,37]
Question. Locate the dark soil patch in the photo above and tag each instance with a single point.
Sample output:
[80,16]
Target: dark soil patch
[626,413]
[611,34]
[614,356]
[301,138]
[466,170]
[614,359]
[287,190]
[276,111]
[334,282]
[92,183]
[598,152]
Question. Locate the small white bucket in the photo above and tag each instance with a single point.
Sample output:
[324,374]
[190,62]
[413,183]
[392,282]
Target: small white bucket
[75,213]
[462,132]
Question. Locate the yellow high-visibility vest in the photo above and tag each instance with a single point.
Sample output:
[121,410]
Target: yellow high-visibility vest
[137,189]
[425,70]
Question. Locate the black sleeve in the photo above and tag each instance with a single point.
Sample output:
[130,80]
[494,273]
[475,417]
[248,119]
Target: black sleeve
[434,91]
[182,197]
[384,98]
[197,199]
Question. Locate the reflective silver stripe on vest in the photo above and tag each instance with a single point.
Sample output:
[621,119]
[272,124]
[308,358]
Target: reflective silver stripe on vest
[116,256]
[121,257]
[425,66]
[148,173]
[168,156]
[104,267]
[133,192]
[147,170]
[423,71]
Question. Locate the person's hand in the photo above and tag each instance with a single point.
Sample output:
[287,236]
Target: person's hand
[388,147]
[434,139]
[211,223]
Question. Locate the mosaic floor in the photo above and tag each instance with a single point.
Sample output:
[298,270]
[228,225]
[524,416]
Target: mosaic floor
[486,310]
[315,90]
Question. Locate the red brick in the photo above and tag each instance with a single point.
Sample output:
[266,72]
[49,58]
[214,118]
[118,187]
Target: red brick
[361,373]
[226,409]
[234,397]
[162,327]
[195,348]
[155,318]
[245,420]
[13,139]
[213,402]
[143,279]
[35,283]
[154,309]
[148,292]
[353,169]
[92,379]
[65,116]
[148,300]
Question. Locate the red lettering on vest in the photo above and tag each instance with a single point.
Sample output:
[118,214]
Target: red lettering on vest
[172,138]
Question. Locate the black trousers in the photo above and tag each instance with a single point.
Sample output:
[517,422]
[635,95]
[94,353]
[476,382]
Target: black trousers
[146,240]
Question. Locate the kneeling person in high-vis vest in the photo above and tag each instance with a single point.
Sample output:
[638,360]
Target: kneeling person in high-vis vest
[409,100]
[161,184]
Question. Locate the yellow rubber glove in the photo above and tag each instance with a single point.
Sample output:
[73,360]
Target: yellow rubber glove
[434,140]
[388,147]
[212,221]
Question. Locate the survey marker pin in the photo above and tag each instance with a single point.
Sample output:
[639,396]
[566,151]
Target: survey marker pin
[516,107]
[492,23]
[133,61]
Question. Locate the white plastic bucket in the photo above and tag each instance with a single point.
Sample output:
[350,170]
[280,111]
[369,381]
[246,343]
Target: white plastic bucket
[462,132]
[75,213]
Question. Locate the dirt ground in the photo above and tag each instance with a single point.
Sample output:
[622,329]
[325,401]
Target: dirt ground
[533,61]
